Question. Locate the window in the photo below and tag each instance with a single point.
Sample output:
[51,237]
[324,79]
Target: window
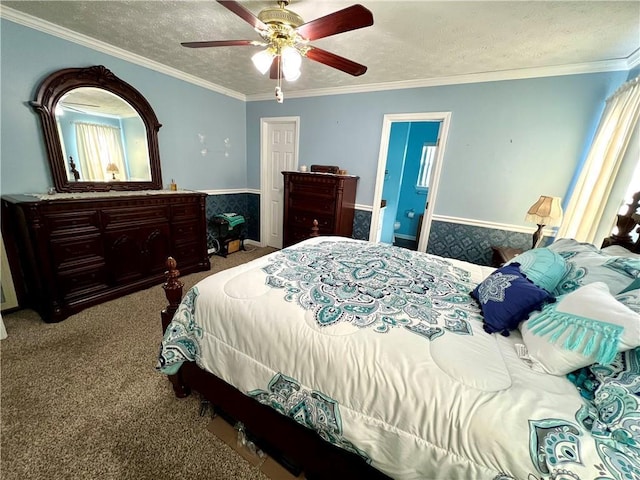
[426,162]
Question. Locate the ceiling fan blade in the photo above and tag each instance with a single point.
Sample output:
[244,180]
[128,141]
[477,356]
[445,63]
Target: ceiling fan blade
[275,69]
[243,13]
[336,61]
[350,18]
[222,43]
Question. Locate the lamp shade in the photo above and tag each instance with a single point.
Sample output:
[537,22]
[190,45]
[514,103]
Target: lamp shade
[112,168]
[546,211]
[262,60]
[291,62]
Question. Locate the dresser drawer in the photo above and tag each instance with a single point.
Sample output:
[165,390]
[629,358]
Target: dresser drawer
[117,217]
[66,252]
[312,204]
[312,189]
[187,252]
[185,231]
[72,223]
[81,281]
[186,211]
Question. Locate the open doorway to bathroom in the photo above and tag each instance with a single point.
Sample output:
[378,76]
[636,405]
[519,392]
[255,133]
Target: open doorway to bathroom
[409,166]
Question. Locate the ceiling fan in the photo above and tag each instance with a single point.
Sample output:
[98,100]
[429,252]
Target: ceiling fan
[286,38]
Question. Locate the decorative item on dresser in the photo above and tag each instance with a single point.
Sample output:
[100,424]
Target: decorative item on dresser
[80,251]
[325,197]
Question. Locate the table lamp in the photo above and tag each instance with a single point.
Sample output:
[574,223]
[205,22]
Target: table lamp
[112,168]
[547,211]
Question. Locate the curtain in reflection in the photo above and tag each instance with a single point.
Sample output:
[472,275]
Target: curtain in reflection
[98,146]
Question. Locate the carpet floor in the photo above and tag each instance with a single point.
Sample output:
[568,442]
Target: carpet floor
[81,399]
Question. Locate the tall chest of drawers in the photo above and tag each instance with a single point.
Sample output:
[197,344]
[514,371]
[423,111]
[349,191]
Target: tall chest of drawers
[74,253]
[328,198]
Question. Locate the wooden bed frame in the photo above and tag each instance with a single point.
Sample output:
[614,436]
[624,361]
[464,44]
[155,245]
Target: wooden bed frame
[627,223]
[296,447]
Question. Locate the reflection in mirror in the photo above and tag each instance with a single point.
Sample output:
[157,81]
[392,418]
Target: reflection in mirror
[100,133]
[103,136]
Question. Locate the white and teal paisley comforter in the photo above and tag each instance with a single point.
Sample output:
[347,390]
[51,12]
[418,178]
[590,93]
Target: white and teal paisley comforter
[381,350]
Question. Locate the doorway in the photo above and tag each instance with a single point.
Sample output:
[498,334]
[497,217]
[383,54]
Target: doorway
[279,140]
[420,216]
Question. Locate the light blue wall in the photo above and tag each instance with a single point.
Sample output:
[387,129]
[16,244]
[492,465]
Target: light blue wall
[184,110]
[509,141]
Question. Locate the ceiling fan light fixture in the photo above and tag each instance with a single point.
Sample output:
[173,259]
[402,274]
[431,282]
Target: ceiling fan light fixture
[262,60]
[291,75]
[291,59]
[291,63]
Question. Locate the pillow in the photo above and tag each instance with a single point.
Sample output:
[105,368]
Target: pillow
[586,264]
[507,297]
[542,266]
[635,285]
[585,326]
[630,299]
[619,251]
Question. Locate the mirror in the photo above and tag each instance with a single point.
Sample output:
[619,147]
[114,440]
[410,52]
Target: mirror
[100,133]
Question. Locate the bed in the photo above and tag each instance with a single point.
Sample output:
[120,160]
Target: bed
[348,359]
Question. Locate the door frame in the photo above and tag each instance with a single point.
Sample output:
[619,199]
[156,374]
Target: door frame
[265,122]
[445,121]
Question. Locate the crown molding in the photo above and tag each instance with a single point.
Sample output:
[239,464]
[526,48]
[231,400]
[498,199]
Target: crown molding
[627,63]
[89,42]
[518,74]
[633,60]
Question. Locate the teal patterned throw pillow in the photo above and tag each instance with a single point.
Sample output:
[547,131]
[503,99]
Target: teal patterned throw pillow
[587,264]
[544,267]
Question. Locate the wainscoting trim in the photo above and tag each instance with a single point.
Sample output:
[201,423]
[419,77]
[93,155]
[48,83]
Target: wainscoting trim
[230,191]
[498,226]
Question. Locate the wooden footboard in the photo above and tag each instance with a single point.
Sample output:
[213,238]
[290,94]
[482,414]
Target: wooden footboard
[173,291]
[295,446]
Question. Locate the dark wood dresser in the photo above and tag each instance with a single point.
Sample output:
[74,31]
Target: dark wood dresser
[328,198]
[76,252]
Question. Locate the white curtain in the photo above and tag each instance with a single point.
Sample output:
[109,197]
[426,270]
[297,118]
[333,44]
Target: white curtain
[99,145]
[584,213]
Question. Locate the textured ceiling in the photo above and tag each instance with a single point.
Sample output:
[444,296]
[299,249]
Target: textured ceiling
[409,41]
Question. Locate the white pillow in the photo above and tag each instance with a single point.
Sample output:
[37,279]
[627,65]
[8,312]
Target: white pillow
[583,326]
[619,251]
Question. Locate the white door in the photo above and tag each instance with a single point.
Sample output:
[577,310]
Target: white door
[279,152]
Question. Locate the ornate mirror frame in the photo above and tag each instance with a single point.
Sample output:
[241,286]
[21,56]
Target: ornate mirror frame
[61,82]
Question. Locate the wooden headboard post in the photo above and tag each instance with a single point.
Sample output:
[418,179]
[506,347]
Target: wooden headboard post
[626,223]
[173,291]
[314,229]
